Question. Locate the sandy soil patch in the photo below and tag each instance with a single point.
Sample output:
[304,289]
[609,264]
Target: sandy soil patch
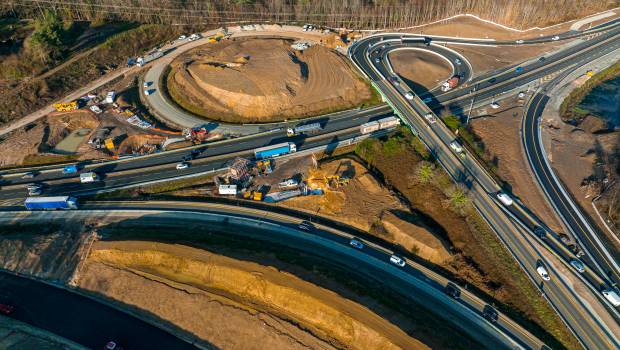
[502,140]
[243,305]
[422,71]
[366,204]
[237,81]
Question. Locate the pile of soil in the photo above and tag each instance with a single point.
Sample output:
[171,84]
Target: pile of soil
[261,80]
[421,70]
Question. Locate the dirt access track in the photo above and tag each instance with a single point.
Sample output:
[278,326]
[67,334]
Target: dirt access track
[263,80]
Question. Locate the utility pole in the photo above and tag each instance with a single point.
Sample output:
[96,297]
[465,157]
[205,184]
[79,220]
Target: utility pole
[471,106]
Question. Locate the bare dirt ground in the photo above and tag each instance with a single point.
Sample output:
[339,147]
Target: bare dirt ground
[424,70]
[15,335]
[237,81]
[502,140]
[243,305]
[366,204]
[471,27]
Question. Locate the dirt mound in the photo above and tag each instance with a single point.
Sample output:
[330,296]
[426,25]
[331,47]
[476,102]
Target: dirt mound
[421,70]
[263,80]
[253,306]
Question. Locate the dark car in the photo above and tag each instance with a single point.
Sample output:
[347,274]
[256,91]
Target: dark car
[453,290]
[540,232]
[490,313]
[196,152]
[187,157]
[6,309]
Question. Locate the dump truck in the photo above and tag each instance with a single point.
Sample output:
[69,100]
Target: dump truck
[50,203]
[88,177]
[109,144]
[450,83]
[141,61]
[275,150]
[66,107]
[304,129]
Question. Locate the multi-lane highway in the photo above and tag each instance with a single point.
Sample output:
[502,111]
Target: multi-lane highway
[587,325]
[414,281]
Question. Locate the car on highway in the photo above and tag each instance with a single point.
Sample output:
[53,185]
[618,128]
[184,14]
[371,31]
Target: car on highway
[521,94]
[540,232]
[147,84]
[457,62]
[612,296]
[356,243]
[34,189]
[430,118]
[490,313]
[456,147]
[452,290]
[542,271]
[306,226]
[6,309]
[409,95]
[148,92]
[495,105]
[504,198]
[427,100]
[377,59]
[578,265]
[182,165]
[542,59]
[519,69]
[555,38]
[398,261]
[196,152]
[519,41]
[70,169]
[111,345]
[29,175]
[394,80]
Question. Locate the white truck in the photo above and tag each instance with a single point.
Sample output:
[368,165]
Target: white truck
[110,96]
[612,297]
[88,177]
[141,61]
[304,129]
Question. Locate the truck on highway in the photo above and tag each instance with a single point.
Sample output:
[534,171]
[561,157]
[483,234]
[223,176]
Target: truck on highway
[380,124]
[450,83]
[50,203]
[304,129]
[141,61]
[88,177]
[275,150]
[612,297]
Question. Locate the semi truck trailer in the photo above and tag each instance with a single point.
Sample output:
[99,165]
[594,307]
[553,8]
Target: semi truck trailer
[380,124]
[450,83]
[275,150]
[304,129]
[50,203]
[141,61]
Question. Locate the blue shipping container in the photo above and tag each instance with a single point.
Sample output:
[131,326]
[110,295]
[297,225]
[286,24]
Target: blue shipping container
[275,150]
[70,169]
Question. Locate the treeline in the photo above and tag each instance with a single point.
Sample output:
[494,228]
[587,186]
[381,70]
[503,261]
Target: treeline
[356,14]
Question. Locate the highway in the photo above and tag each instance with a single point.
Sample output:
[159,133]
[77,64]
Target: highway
[588,326]
[414,282]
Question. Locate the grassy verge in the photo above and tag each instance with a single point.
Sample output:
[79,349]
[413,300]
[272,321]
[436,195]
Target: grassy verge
[158,188]
[569,111]
[480,258]
[45,159]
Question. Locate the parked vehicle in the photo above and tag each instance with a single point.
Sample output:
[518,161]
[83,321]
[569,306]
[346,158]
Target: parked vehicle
[504,198]
[398,261]
[50,203]
[450,83]
[578,265]
[182,165]
[182,37]
[111,95]
[96,109]
[519,41]
[542,271]
[304,129]
[453,290]
[148,92]
[88,177]
[409,95]
[612,296]
[521,94]
[555,38]
[66,107]
[147,84]
[194,36]
[275,150]
[70,169]
[141,61]
[495,105]
[355,243]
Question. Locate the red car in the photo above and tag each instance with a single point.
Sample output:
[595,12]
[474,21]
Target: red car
[6,309]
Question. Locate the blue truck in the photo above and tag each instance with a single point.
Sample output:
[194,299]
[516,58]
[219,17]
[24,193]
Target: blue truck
[275,150]
[50,203]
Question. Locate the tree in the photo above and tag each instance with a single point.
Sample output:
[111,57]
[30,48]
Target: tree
[47,38]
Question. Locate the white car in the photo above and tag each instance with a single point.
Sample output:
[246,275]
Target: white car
[504,198]
[95,109]
[456,147]
[555,38]
[147,84]
[521,94]
[430,118]
[457,61]
[182,37]
[495,105]
[543,272]
[194,37]
[612,297]
[519,41]
[147,92]
[182,166]
[409,95]
[398,261]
